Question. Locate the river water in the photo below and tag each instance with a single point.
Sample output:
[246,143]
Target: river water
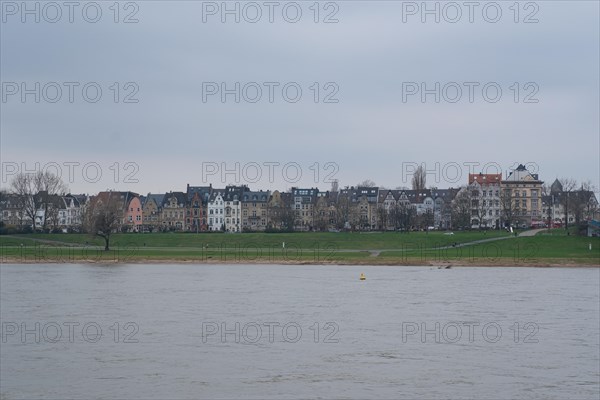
[274,331]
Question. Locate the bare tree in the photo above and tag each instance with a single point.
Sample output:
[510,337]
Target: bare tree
[591,207]
[545,189]
[321,215]
[48,186]
[103,216]
[461,209]
[419,178]
[479,205]
[405,216]
[36,191]
[568,185]
[382,217]
[582,202]
[366,183]
[343,211]
[507,203]
[23,188]
[51,215]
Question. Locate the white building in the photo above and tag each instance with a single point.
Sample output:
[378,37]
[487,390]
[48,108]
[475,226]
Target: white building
[216,210]
[232,211]
[485,200]
[71,215]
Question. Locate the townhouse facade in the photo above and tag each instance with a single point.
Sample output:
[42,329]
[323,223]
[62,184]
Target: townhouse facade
[216,210]
[151,212]
[485,190]
[128,205]
[304,201]
[255,210]
[173,211]
[197,207]
[70,216]
[362,204]
[12,211]
[233,207]
[280,215]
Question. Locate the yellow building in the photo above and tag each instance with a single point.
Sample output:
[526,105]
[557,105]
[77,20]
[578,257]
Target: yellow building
[521,198]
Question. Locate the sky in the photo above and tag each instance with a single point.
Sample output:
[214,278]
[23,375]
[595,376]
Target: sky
[151,96]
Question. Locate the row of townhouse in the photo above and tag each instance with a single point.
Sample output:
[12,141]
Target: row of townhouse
[493,202]
[42,210]
[519,200]
[204,208]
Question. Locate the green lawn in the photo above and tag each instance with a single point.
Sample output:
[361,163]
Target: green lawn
[385,248]
[354,241]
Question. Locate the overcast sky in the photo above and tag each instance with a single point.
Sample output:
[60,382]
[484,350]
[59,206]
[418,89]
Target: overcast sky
[372,61]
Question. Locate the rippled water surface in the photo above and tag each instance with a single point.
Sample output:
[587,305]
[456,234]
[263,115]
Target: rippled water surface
[171,331]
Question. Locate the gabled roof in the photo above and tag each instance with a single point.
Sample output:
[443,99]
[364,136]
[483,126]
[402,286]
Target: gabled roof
[417,196]
[259,197]
[8,201]
[68,198]
[521,174]
[123,198]
[157,198]
[216,193]
[81,198]
[359,192]
[180,196]
[556,186]
[445,194]
[202,191]
[233,193]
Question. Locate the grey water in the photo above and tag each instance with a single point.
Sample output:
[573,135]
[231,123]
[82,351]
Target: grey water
[280,331]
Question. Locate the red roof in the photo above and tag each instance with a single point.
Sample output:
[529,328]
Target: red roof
[485,178]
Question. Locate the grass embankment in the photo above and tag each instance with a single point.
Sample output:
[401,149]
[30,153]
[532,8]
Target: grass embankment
[415,248]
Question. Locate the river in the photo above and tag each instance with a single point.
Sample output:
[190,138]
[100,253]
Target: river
[280,331]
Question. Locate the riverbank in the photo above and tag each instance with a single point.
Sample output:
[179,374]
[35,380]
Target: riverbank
[542,263]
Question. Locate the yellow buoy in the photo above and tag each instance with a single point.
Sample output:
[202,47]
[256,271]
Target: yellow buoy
[362,276]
